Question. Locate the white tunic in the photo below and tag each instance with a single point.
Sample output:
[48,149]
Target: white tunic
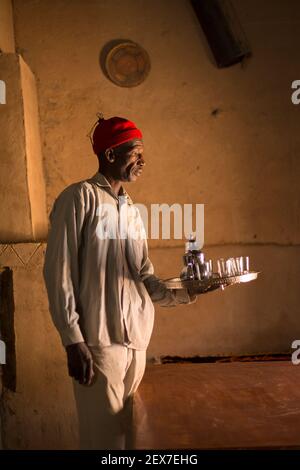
[101,288]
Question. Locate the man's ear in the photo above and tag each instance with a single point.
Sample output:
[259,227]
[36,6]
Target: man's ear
[110,156]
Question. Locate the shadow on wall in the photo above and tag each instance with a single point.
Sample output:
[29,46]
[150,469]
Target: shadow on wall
[7,333]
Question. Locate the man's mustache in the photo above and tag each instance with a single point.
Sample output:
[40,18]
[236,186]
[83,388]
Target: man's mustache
[135,166]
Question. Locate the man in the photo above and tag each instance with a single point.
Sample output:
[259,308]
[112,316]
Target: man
[101,285]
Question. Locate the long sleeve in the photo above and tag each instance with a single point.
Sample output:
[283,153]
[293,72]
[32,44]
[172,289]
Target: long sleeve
[61,269]
[158,291]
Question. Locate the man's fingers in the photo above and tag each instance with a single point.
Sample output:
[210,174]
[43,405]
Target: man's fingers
[89,373]
[82,375]
[74,370]
[79,374]
[77,371]
[86,373]
[80,363]
[212,288]
[71,370]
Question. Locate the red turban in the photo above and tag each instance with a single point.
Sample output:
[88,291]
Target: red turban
[112,132]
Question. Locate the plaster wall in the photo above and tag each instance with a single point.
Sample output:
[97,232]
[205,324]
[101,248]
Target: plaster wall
[41,413]
[7,40]
[226,138]
[22,186]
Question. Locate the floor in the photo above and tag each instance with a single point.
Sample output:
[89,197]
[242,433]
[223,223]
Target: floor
[218,406]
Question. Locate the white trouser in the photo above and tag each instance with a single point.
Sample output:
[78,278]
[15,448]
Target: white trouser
[104,408]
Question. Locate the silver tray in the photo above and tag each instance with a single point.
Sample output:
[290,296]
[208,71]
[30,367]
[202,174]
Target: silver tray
[214,281]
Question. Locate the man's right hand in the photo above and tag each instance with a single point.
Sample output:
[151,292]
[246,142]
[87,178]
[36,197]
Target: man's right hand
[80,363]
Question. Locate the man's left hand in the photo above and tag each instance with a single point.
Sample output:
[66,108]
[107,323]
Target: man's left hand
[201,290]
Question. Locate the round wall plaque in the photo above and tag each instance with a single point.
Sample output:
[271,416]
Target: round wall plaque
[127,64]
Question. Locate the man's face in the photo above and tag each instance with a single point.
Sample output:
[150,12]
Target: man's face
[129,161]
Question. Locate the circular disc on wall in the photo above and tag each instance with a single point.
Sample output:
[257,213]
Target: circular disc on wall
[127,64]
